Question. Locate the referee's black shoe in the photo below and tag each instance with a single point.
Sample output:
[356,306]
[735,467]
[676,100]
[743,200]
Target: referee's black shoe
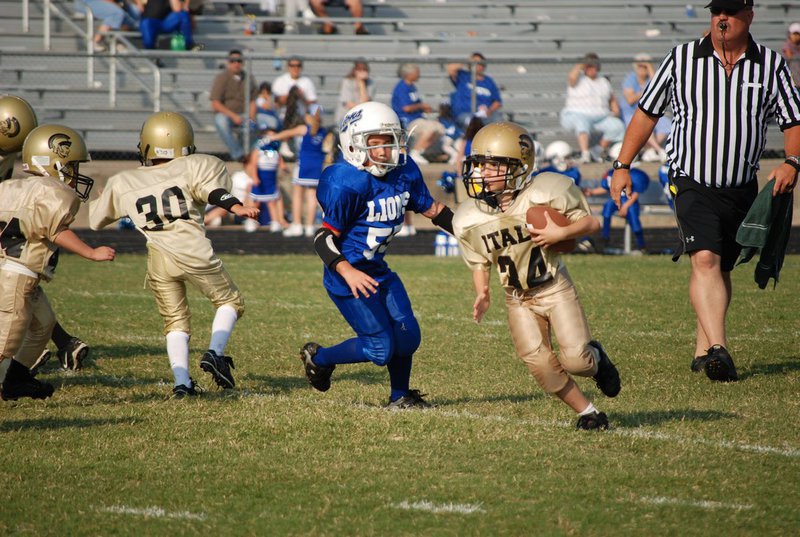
[719,365]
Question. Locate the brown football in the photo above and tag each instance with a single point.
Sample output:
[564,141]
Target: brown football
[535,218]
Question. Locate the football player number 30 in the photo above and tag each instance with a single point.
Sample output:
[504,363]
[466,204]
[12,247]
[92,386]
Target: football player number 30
[157,216]
[374,245]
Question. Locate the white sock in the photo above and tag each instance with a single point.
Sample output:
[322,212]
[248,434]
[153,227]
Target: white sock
[4,363]
[221,328]
[588,410]
[178,352]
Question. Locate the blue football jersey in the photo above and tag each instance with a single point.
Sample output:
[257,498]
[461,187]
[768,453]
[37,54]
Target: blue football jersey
[639,181]
[573,173]
[368,211]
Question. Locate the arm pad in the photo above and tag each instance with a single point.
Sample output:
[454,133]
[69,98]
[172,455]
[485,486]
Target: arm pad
[444,220]
[326,244]
[222,198]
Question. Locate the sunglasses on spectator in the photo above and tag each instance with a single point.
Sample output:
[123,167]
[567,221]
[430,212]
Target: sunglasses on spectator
[719,11]
[234,60]
[295,65]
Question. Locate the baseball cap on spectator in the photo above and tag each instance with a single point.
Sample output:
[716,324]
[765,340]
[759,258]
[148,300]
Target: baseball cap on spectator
[730,4]
[794,28]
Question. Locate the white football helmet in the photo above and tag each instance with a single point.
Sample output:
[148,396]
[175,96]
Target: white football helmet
[359,124]
[557,153]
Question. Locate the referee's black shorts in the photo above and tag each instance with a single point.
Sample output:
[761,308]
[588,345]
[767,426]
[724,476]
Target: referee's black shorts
[708,218]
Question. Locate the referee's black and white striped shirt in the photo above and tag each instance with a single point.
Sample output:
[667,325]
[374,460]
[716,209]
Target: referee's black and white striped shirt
[720,124]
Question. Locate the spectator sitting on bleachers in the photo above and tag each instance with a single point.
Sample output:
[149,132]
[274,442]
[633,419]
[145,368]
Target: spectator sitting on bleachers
[291,8]
[356,88]
[227,101]
[410,108]
[113,16]
[164,17]
[791,52]
[356,10]
[291,78]
[487,95]
[632,88]
[629,205]
[591,107]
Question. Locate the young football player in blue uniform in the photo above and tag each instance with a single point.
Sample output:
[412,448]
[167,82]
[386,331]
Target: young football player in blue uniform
[629,207]
[559,153]
[364,200]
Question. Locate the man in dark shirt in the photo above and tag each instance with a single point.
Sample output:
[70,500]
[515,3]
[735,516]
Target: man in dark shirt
[228,103]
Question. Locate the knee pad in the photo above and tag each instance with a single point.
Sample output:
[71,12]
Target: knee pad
[378,349]
[407,337]
[546,369]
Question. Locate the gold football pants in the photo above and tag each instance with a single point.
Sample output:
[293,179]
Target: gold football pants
[531,318]
[26,318]
[168,283]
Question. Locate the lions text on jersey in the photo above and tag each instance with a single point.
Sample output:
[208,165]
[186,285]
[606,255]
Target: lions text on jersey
[368,211]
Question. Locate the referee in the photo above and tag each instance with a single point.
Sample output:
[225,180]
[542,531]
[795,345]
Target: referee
[723,90]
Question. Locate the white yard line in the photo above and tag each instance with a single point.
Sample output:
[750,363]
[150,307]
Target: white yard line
[436,508]
[151,512]
[702,504]
[638,433]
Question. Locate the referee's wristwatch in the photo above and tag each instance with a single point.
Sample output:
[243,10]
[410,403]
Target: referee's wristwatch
[617,165]
[794,162]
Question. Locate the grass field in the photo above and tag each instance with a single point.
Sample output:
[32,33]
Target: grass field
[110,454]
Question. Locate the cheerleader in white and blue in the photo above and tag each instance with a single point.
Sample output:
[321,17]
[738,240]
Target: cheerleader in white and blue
[264,164]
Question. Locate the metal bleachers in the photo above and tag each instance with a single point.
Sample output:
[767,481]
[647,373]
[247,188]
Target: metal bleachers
[530,45]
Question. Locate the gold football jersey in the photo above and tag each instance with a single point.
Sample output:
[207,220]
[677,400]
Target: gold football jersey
[167,203]
[490,236]
[33,211]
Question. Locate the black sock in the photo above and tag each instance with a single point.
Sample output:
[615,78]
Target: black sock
[60,336]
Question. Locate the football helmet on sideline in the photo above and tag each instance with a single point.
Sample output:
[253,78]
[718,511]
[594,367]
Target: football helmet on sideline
[558,153]
[165,135]
[359,124]
[17,120]
[502,143]
[57,151]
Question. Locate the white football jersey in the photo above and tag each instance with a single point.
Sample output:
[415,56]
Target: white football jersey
[167,203]
[489,236]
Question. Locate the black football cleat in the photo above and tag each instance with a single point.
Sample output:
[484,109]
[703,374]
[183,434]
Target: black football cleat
[20,383]
[607,377]
[40,362]
[719,366]
[219,367]
[319,377]
[699,363]
[182,390]
[413,399]
[596,421]
[72,355]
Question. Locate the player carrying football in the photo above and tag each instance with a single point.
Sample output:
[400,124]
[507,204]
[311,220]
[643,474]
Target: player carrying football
[364,200]
[539,294]
[166,199]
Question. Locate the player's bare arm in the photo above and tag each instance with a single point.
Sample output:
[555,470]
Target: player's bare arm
[552,233]
[68,240]
[327,247]
[480,280]
[441,215]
